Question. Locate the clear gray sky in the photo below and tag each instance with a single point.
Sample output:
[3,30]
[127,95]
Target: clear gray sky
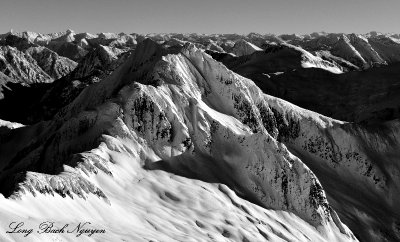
[201,16]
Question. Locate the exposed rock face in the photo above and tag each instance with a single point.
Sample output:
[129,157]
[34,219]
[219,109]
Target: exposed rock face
[342,154]
[197,119]
[3,81]
[103,59]
[343,63]
[387,47]
[68,49]
[343,48]
[365,49]
[54,65]
[18,42]
[95,66]
[124,41]
[21,67]
[46,100]
[348,159]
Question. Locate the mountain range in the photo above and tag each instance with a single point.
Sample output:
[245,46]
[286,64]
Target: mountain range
[194,137]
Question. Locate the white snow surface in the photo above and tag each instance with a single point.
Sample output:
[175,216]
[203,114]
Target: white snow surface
[243,47]
[197,119]
[156,205]
[311,61]
[10,125]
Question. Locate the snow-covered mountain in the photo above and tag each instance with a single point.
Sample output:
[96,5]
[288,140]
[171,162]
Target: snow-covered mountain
[101,59]
[21,67]
[25,62]
[276,59]
[170,144]
[367,96]
[54,65]
[243,47]
[362,50]
[157,127]
[43,101]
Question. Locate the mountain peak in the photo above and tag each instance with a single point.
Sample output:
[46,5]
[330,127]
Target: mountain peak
[146,126]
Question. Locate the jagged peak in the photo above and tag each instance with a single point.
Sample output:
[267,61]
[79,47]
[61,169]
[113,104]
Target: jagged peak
[147,49]
[244,47]
[189,47]
[344,38]
[105,35]
[70,31]
[110,51]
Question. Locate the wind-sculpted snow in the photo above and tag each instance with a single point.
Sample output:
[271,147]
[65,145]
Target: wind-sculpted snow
[163,113]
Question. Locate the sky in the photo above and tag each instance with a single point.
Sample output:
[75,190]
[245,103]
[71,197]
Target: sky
[201,16]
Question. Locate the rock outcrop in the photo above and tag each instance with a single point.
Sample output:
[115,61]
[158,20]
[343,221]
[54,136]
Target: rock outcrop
[21,67]
[54,65]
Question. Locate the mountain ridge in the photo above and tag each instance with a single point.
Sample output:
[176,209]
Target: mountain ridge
[168,66]
[171,125]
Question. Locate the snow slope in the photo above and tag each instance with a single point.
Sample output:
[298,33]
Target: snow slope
[167,140]
[277,58]
[242,47]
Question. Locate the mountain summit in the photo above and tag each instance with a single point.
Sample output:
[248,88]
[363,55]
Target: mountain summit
[160,139]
